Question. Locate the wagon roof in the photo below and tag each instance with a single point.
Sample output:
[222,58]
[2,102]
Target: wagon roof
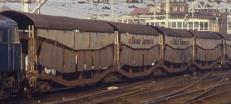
[175,32]
[6,22]
[206,35]
[134,28]
[226,36]
[57,22]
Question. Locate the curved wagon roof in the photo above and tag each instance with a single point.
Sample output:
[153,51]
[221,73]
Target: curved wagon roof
[134,28]
[57,22]
[6,22]
[226,36]
[206,35]
[175,32]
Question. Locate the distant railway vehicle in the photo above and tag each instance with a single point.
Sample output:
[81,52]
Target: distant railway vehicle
[41,52]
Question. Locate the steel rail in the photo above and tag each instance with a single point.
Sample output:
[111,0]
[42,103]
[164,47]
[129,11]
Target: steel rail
[204,91]
[177,91]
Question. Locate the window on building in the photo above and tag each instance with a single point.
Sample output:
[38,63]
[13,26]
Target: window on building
[174,8]
[157,24]
[184,25]
[181,9]
[201,26]
[190,25]
[169,24]
[174,25]
[229,28]
[196,25]
[206,26]
[162,23]
[179,25]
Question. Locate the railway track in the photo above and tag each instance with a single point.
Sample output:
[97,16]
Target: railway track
[100,92]
[122,91]
[194,89]
[130,90]
[193,92]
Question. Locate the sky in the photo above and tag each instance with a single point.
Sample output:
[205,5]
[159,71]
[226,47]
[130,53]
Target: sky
[72,8]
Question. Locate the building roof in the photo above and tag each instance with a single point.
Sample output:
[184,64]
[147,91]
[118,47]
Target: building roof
[139,11]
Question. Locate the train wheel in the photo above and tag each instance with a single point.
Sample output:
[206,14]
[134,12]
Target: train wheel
[111,78]
[43,86]
[192,70]
[159,72]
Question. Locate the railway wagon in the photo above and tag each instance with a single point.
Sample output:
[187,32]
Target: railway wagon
[67,51]
[139,49]
[226,50]
[52,51]
[208,52]
[177,50]
[78,52]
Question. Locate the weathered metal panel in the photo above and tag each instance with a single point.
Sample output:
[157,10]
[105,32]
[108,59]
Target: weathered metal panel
[101,40]
[178,49]
[51,56]
[178,42]
[82,41]
[139,50]
[64,37]
[106,57]
[81,60]
[86,41]
[152,56]
[92,60]
[208,49]
[178,56]
[208,43]
[92,50]
[139,41]
[126,56]
[208,55]
[88,59]
[44,58]
[78,40]
[58,58]
[69,61]
[97,60]
[139,57]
